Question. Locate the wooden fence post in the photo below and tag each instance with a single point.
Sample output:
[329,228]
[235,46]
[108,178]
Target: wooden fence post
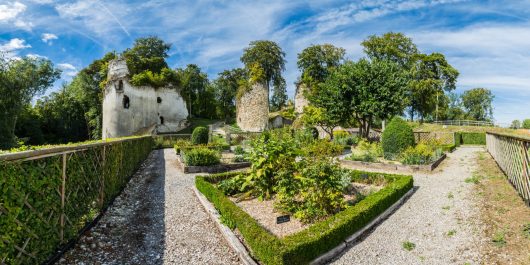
[63,193]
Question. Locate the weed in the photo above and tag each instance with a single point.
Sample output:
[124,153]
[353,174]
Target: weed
[407,245]
[526,230]
[451,233]
[481,156]
[447,207]
[499,239]
[450,195]
[474,179]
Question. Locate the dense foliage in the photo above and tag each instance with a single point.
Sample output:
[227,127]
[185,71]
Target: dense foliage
[420,154]
[200,135]
[316,62]
[526,124]
[366,151]
[477,102]
[201,156]
[396,137]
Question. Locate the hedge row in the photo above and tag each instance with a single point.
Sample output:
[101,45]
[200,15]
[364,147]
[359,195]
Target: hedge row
[474,138]
[95,175]
[306,245]
[168,141]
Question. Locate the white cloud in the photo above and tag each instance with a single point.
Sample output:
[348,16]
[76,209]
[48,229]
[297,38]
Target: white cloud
[68,69]
[9,14]
[48,38]
[36,56]
[14,45]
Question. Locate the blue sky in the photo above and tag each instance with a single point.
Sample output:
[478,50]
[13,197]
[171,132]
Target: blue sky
[487,41]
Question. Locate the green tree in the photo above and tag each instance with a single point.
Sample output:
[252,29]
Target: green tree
[431,75]
[316,62]
[226,86]
[269,59]
[28,127]
[391,46]
[477,103]
[194,89]
[20,81]
[516,124]
[367,90]
[526,124]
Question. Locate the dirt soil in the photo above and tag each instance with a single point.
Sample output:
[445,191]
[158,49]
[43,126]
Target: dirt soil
[504,214]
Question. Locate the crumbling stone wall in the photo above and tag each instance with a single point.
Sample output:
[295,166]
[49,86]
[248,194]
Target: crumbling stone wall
[253,109]
[300,101]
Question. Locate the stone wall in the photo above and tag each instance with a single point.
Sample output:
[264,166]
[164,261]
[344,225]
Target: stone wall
[129,110]
[253,109]
[300,101]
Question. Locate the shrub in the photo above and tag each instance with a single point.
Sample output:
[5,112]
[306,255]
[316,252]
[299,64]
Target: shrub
[200,135]
[323,148]
[473,138]
[319,187]
[340,134]
[240,154]
[201,156]
[366,151]
[396,137]
[314,132]
[421,154]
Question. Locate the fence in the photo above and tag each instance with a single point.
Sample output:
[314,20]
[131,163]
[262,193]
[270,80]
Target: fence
[512,155]
[48,196]
[464,123]
[445,138]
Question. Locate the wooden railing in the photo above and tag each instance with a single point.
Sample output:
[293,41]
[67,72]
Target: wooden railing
[512,154]
[441,137]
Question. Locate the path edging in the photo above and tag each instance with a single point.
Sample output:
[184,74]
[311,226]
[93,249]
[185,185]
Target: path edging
[242,252]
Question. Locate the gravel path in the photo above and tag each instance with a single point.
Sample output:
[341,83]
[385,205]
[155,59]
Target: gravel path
[439,218]
[156,220]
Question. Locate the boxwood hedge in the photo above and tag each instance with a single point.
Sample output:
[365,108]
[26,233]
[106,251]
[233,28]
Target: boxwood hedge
[474,138]
[306,245]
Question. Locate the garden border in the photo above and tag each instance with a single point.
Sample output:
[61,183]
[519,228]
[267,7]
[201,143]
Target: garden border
[219,168]
[388,166]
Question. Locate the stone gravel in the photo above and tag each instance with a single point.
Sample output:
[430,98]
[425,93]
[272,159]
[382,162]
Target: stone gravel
[156,220]
[442,202]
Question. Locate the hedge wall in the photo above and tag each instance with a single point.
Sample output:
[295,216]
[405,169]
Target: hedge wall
[33,217]
[306,245]
[474,138]
[169,140]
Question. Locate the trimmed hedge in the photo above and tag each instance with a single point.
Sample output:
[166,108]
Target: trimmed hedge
[396,137]
[473,138]
[448,147]
[200,135]
[169,140]
[201,157]
[182,148]
[306,245]
[96,174]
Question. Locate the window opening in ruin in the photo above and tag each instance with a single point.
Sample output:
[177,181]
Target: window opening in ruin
[161,120]
[126,102]
[120,85]
[158,100]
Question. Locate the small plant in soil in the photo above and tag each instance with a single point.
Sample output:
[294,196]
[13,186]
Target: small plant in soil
[409,246]
[450,195]
[474,179]
[499,239]
[447,207]
[451,233]
[526,230]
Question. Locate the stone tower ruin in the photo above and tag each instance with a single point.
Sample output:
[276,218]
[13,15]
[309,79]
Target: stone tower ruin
[253,109]
[133,110]
[300,101]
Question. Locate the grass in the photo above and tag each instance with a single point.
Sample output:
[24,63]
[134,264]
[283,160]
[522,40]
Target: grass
[499,239]
[474,179]
[409,246]
[451,233]
[526,230]
[450,195]
[447,207]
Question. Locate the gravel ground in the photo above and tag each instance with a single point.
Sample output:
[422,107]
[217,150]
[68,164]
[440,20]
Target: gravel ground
[440,218]
[156,220]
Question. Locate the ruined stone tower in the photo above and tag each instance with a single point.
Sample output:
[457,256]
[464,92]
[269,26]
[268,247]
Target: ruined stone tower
[300,101]
[130,110]
[253,109]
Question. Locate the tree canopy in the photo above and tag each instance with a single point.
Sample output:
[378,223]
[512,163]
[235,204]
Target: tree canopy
[316,62]
[391,46]
[477,102]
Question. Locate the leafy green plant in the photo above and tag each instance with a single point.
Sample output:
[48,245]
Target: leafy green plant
[473,179]
[200,135]
[499,239]
[409,246]
[526,230]
[366,151]
[451,233]
[396,137]
[420,154]
[201,156]
[322,148]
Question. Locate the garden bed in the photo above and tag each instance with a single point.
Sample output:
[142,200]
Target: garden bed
[315,243]
[224,166]
[393,165]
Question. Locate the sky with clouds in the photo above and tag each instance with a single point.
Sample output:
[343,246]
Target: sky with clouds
[487,41]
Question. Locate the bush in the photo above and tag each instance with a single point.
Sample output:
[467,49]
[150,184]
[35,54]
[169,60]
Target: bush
[200,135]
[201,156]
[472,138]
[322,148]
[314,132]
[240,154]
[306,245]
[366,151]
[421,154]
[396,137]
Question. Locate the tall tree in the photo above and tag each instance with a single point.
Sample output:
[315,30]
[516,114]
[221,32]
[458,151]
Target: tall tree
[431,75]
[147,54]
[316,62]
[477,103]
[20,81]
[194,85]
[516,124]
[227,84]
[268,59]
[391,46]
[526,124]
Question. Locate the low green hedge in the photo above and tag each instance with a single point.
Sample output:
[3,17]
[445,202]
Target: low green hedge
[473,138]
[168,141]
[306,245]
[201,157]
[448,147]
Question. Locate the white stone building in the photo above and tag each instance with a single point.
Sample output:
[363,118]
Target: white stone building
[252,109]
[131,110]
[300,101]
